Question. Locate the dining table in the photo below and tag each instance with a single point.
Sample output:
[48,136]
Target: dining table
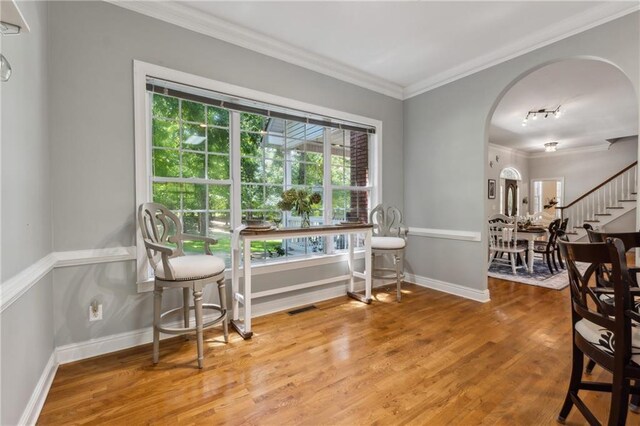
[531,234]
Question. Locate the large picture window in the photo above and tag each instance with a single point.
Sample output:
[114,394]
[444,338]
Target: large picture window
[217,163]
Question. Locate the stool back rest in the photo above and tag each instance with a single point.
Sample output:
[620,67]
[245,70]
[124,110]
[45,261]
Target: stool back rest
[564,224]
[159,225]
[387,222]
[586,303]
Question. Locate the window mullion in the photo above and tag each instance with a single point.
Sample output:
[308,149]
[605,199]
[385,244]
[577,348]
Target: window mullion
[328,187]
[234,127]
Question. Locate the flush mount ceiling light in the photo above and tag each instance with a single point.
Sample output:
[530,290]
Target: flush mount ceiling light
[533,114]
[551,146]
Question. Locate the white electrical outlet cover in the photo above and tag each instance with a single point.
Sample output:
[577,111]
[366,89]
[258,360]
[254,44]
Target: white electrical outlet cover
[95,316]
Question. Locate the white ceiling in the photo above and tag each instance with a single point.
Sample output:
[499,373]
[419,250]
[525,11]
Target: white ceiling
[598,103]
[397,48]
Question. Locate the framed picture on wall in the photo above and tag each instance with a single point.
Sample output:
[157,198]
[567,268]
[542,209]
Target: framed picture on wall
[492,189]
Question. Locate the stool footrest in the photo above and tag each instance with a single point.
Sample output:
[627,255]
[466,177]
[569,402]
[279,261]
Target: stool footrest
[183,330]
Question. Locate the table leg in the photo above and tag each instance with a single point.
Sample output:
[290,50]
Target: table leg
[530,257]
[368,284]
[367,272]
[235,282]
[350,262]
[244,328]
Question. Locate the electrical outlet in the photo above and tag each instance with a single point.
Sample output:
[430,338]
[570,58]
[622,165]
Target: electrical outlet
[95,311]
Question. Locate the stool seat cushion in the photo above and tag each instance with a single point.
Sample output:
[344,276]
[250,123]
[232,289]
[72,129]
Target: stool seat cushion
[387,243]
[193,267]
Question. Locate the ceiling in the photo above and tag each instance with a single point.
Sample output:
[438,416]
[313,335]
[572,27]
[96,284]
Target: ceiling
[400,49]
[597,102]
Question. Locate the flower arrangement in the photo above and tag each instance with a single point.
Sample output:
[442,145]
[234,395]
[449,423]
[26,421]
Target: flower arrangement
[299,201]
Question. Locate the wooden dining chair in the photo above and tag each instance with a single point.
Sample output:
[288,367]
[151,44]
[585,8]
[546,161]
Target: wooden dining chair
[630,241]
[164,243]
[548,248]
[503,239]
[606,337]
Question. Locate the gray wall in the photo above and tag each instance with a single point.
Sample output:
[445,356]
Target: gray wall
[92,135]
[26,333]
[445,148]
[584,171]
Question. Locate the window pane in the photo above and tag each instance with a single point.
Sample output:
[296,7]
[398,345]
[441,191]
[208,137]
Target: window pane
[218,167]
[193,111]
[192,165]
[193,137]
[168,194]
[219,197]
[217,117]
[274,172]
[165,133]
[251,170]
[350,205]
[166,163]
[252,122]
[165,106]
[218,140]
[359,158]
[194,196]
[250,144]
[252,197]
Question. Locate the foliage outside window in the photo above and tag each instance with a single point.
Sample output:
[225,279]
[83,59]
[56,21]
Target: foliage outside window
[192,169]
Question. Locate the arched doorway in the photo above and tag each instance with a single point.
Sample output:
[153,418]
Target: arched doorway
[510,179]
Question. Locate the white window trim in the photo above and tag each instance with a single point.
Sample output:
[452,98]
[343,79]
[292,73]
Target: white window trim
[142,70]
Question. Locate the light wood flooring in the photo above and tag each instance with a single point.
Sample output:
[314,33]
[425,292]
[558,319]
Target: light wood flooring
[432,359]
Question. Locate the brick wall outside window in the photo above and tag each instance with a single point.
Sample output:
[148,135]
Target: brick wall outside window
[359,143]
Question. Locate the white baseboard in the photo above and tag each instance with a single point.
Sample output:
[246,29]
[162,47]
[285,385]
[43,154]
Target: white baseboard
[39,395]
[116,342]
[455,289]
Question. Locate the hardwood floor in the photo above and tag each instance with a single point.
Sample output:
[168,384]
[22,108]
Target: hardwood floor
[432,359]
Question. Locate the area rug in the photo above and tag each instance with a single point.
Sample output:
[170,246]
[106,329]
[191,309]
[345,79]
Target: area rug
[540,276]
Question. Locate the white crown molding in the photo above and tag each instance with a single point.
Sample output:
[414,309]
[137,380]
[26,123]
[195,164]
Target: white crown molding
[450,288]
[570,151]
[561,30]
[446,234]
[544,154]
[39,395]
[508,150]
[182,15]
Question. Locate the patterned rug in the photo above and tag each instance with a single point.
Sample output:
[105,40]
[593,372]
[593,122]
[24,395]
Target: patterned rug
[540,275]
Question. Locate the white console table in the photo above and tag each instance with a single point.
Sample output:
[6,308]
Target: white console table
[243,238]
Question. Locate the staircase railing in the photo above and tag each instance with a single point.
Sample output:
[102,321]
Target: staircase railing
[610,195]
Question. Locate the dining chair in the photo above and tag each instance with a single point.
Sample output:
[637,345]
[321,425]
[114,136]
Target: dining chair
[164,243]
[562,227]
[503,238]
[606,337]
[389,238]
[548,247]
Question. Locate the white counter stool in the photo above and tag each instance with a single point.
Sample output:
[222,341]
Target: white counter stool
[163,239]
[389,238]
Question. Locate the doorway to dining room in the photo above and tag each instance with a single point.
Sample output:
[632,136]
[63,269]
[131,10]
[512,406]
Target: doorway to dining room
[554,134]
[510,179]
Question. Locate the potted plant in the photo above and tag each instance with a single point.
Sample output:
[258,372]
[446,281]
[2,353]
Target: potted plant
[301,202]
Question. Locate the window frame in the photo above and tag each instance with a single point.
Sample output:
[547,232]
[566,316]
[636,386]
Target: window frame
[143,151]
